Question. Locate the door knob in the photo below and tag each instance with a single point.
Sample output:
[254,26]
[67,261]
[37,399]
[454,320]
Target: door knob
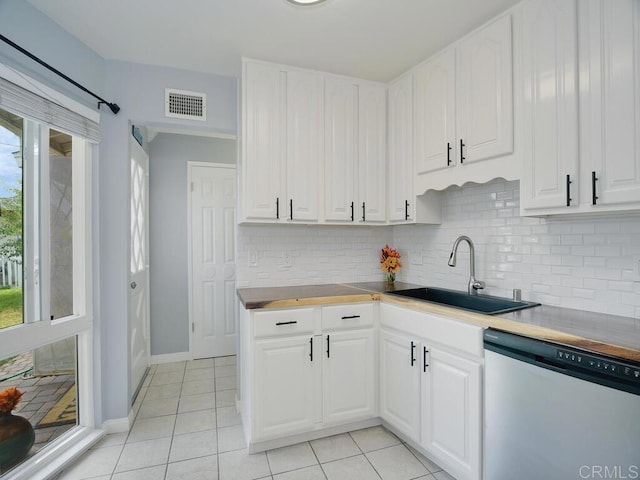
[134,285]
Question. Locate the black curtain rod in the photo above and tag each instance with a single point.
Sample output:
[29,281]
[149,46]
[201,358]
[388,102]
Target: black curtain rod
[112,106]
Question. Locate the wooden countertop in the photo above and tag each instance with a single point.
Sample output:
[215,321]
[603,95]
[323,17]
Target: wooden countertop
[598,332]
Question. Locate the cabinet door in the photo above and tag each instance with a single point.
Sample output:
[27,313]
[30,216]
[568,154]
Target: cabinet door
[550,110]
[372,153]
[484,97]
[434,114]
[349,372]
[400,382]
[451,416]
[304,144]
[286,387]
[610,114]
[400,171]
[340,148]
[262,143]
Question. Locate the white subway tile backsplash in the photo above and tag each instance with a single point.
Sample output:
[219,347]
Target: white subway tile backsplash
[584,263]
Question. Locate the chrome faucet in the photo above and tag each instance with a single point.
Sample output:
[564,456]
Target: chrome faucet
[474,285]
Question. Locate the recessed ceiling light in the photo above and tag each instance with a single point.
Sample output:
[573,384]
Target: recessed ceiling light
[305,2]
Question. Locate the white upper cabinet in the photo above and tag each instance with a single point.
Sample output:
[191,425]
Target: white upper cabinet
[304,143]
[484,116]
[282,143]
[464,111]
[550,110]
[435,101]
[400,162]
[262,122]
[340,148]
[610,108]
[372,151]
[355,150]
[582,100]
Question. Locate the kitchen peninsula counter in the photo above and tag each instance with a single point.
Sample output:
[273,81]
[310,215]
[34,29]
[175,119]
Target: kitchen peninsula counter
[608,334]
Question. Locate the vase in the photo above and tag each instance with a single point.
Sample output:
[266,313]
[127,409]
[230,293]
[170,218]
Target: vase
[16,439]
[391,278]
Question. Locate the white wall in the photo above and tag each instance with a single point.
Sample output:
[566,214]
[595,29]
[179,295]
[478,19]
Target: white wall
[320,254]
[168,191]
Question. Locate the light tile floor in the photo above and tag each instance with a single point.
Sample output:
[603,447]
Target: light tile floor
[186,427]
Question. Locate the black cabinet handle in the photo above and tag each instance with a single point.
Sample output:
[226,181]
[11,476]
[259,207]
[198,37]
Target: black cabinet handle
[277,208]
[449,153]
[462,157]
[594,197]
[406,209]
[413,359]
[364,212]
[328,352]
[311,348]
[424,359]
[350,317]
[292,322]
[352,211]
[291,209]
[569,182]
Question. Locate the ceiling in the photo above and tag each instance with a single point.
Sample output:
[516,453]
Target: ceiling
[372,39]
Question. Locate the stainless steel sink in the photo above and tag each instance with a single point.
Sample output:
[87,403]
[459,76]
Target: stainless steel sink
[473,303]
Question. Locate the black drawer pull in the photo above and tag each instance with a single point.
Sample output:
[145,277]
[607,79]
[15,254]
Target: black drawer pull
[311,348]
[328,353]
[413,359]
[424,359]
[594,197]
[350,317]
[406,209]
[462,157]
[448,153]
[364,212]
[286,323]
[277,208]
[352,211]
[569,182]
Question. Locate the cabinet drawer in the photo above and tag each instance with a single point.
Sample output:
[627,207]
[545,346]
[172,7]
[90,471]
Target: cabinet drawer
[339,317]
[292,321]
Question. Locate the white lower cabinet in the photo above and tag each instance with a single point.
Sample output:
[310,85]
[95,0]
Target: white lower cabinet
[307,369]
[286,388]
[451,412]
[349,370]
[431,386]
[400,383]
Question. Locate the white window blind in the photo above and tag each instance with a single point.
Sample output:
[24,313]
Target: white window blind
[27,104]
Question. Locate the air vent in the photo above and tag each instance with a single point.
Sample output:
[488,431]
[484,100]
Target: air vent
[184,104]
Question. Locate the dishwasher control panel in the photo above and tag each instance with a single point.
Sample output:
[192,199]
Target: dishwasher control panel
[603,365]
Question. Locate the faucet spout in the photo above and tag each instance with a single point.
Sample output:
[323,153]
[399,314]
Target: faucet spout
[474,284]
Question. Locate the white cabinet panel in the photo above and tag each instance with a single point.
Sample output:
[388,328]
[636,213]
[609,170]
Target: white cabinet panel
[400,382]
[349,372]
[452,414]
[262,148]
[340,147]
[550,104]
[434,116]
[304,143]
[372,153]
[610,110]
[286,387]
[400,162]
[484,94]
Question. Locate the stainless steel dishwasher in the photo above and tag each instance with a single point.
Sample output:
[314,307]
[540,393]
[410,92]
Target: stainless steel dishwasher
[558,413]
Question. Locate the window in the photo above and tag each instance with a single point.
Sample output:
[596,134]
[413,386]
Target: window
[45,271]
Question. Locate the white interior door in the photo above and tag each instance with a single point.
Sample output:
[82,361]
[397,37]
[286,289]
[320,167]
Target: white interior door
[213,272]
[139,265]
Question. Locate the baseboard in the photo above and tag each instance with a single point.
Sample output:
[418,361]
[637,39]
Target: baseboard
[169,358]
[119,425]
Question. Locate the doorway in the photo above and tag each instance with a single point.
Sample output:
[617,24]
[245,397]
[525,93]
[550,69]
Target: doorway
[212,217]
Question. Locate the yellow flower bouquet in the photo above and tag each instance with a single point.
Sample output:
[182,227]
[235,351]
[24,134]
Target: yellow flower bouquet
[390,262]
